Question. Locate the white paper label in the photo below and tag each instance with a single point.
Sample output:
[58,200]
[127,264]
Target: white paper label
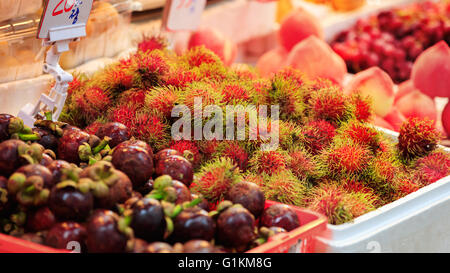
[183,14]
[60,13]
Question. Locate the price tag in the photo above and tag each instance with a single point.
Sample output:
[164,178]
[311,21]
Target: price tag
[72,14]
[182,14]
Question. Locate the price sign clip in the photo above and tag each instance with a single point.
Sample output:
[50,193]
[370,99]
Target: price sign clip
[62,22]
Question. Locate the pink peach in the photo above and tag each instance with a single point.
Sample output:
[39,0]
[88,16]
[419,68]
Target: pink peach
[377,84]
[403,89]
[297,26]
[316,59]
[380,122]
[271,62]
[216,42]
[446,119]
[431,71]
[395,118]
[417,104]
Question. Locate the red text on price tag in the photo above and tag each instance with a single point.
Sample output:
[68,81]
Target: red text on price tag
[61,13]
[183,14]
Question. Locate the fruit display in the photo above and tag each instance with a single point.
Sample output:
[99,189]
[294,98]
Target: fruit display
[329,158]
[393,39]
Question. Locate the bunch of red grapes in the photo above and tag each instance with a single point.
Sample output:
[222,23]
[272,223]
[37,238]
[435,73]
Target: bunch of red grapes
[393,39]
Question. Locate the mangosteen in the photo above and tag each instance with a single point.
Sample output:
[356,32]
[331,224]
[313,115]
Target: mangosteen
[148,219]
[30,185]
[235,227]
[32,237]
[110,186]
[198,246]
[116,131]
[10,158]
[139,246]
[13,127]
[204,204]
[167,189]
[249,195]
[178,167]
[70,201]
[57,168]
[280,215]
[40,219]
[135,159]
[46,139]
[107,232]
[193,223]
[159,247]
[5,202]
[165,153]
[147,187]
[69,143]
[61,234]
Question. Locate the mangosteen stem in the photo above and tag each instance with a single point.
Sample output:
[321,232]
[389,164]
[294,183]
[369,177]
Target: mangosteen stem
[177,210]
[261,240]
[28,137]
[169,226]
[193,203]
[101,145]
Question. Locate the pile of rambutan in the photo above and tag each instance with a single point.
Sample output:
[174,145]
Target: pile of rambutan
[328,157]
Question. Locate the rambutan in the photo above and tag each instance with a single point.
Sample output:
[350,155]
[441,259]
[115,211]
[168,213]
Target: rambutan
[284,187]
[93,127]
[432,168]
[330,104]
[215,179]
[150,128]
[404,187]
[234,94]
[339,205]
[205,91]
[289,97]
[318,135]
[363,107]
[161,100]
[92,103]
[292,74]
[189,150]
[360,133]
[260,91]
[381,173]
[114,79]
[179,77]
[245,72]
[347,160]
[268,162]
[258,179]
[152,42]
[133,96]
[301,164]
[76,85]
[290,134]
[196,56]
[418,137]
[234,151]
[124,114]
[149,68]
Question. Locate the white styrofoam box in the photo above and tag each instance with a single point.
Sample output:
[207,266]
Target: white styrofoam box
[419,222]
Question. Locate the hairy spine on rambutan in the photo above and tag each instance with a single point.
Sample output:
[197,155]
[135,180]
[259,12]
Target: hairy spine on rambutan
[215,179]
[92,103]
[363,107]
[291,74]
[161,100]
[330,104]
[152,42]
[180,77]
[268,162]
[290,135]
[234,151]
[150,68]
[289,97]
[302,164]
[150,128]
[418,137]
[133,96]
[317,135]
[200,55]
[285,187]
[432,168]
[360,133]
[234,93]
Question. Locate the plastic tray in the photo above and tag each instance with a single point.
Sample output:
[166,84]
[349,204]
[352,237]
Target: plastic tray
[419,222]
[298,240]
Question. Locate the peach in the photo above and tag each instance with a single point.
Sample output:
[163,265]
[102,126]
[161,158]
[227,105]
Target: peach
[271,62]
[446,119]
[216,42]
[380,122]
[417,104]
[377,84]
[297,26]
[395,118]
[431,71]
[316,59]
[403,89]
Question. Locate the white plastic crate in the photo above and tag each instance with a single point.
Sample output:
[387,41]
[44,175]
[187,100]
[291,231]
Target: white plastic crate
[419,222]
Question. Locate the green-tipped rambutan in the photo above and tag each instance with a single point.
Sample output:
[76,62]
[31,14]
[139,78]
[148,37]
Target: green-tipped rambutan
[285,187]
[318,135]
[432,168]
[330,104]
[188,149]
[179,77]
[345,160]
[360,133]
[287,94]
[234,151]
[200,55]
[418,137]
[363,107]
[256,178]
[150,128]
[161,100]
[339,205]
[404,187]
[149,68]
[290,134]
[291,74]
[133,96]
[268,162]
[233,93]
[215,179]
[92,103]
[76,85]
[302,164]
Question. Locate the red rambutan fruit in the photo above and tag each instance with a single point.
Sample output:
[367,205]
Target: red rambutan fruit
[133,96]
[215,179]
[161,100]
[301,164]
[418,137]
[234,93]
[289,97]
[234,151]
[347,160]
[77,84]
[360,133]
[180,78]
[92,102]
[330,104]
[432,168]
[189,150]
[196,56]
[124,114]
[405,186]
[318,135]
[289,134]
[258,179]
[260,91]
[284,187]
[268,162]
[363,107]
[93,127]
[292,74]
[150,68]
[151,129]
[152,42]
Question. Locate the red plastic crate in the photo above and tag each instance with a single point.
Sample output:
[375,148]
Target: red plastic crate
[297,240]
